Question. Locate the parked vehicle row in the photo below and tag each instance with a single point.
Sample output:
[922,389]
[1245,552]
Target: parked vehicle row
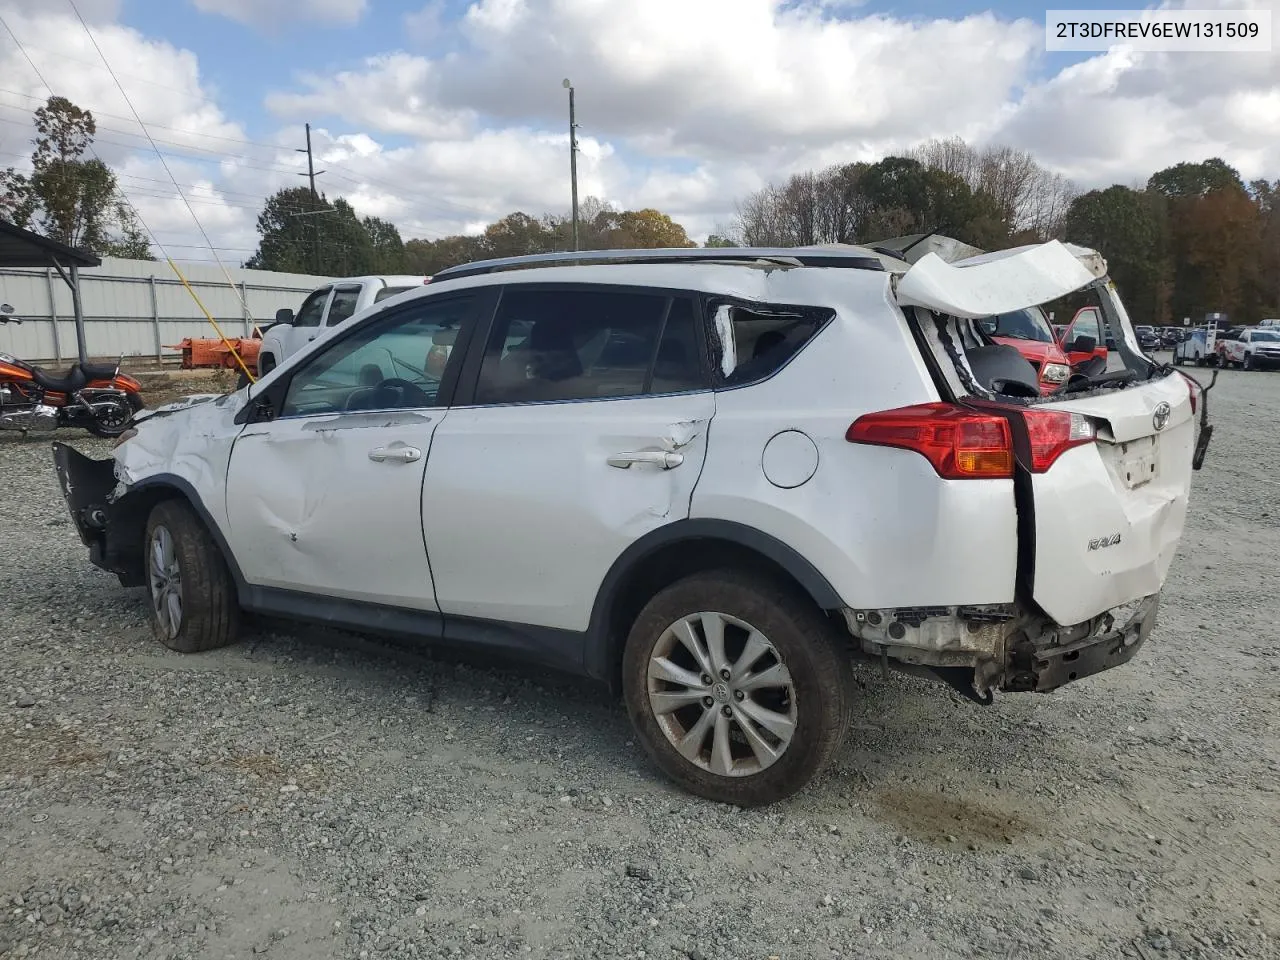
[703,477]
[1247,348]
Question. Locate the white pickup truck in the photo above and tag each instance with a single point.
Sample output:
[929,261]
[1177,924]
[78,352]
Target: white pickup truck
[324,309]
[1250,348]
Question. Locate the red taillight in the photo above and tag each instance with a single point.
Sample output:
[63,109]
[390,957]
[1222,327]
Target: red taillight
[1192,388]
[964,444]
[961,444]
[1052,433]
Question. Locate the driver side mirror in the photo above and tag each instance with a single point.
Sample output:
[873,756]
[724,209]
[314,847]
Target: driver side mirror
[284,315]
[1082,344]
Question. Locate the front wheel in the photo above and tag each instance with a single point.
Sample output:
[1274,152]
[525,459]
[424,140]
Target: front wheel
[1248,362]
[193,598]
[737,687]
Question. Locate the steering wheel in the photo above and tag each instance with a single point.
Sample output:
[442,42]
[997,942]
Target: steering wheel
[411,395]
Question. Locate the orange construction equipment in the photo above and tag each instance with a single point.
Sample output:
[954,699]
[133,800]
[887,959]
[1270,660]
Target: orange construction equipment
[213,352]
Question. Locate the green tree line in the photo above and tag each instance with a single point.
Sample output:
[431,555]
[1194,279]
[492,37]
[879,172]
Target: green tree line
[1195,238]
[302,234]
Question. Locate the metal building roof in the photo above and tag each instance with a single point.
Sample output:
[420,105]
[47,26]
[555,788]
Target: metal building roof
[22,248]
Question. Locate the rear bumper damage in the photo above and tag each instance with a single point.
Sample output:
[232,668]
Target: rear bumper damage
[982,649]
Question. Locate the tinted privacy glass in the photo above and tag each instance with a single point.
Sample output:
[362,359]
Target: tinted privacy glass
[588,344]
[397,363]
[763,338]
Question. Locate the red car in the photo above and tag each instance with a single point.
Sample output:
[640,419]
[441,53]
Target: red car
[1030,333]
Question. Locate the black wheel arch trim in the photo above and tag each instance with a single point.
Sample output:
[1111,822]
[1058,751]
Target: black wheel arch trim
[597,657]
[169,481]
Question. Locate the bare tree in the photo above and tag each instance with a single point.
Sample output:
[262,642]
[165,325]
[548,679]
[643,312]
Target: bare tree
[1032,199]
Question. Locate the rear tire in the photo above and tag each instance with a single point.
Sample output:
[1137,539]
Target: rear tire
[110,423]
[192,596]
[761,712]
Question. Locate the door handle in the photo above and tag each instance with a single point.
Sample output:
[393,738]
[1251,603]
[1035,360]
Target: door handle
[660,458]
[397,454]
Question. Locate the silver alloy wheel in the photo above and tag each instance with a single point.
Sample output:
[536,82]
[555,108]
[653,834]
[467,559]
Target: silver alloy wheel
[166,581]
[721,694]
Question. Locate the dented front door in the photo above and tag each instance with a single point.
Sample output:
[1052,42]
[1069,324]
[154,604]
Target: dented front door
[330,505]
[326,496]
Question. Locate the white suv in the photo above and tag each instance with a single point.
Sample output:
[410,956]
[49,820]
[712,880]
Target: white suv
[707,477]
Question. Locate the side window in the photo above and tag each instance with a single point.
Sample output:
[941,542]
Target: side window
[343,305]
[1086,325]
[587,344]
[756,341]
[312,309]
[385,365]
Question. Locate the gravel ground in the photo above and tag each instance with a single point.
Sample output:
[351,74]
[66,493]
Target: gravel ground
[310,794]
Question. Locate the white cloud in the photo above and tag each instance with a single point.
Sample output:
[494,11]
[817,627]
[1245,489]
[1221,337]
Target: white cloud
[1121,116]
[684,105]
[271,14]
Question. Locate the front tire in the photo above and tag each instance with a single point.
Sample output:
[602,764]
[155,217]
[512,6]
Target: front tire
[192,596]
[1248,363]
[737,687]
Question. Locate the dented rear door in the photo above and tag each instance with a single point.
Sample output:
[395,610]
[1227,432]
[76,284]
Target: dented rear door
[568,451]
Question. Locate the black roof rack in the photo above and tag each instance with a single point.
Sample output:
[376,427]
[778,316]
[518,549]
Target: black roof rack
[855,258]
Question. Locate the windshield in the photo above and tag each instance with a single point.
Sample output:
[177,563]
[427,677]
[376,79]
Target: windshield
[1265,335]
[1028,324]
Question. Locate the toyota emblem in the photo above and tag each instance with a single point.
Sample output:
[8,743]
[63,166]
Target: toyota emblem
[1161,415]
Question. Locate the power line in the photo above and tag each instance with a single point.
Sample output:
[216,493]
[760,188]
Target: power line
[163,162]
[152,123]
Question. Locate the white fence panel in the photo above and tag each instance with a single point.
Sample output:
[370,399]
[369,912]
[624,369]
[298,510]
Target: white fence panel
[137,308]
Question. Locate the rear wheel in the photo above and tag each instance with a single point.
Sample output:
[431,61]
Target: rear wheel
[193,599]
[737,687]
[1248,363]
[111,416]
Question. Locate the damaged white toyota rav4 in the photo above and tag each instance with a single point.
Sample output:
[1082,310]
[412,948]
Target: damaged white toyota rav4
[707,477]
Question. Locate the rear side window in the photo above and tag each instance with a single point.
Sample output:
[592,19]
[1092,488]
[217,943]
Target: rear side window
[390,292]
[753,342]
[589,344]
[343,305]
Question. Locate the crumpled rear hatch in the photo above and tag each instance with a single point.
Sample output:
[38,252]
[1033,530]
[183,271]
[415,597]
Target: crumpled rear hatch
[1105,465]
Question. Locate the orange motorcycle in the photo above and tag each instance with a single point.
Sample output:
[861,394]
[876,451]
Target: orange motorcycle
[95,396]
